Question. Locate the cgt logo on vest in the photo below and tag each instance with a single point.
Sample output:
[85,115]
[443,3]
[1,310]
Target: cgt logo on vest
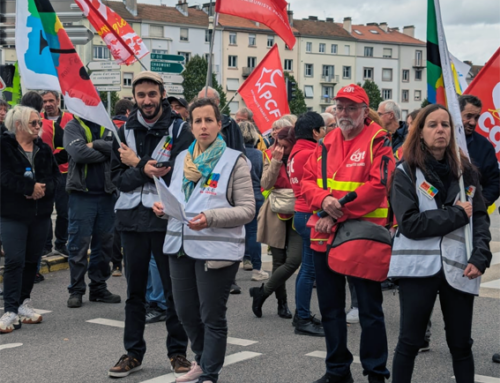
[356,157]
[211,184]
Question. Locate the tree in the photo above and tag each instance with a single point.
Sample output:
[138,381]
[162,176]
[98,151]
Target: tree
[425,103]
[114,100]
[195,77]
[373,92]
[298,104]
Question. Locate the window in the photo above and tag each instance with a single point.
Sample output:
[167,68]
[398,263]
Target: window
[406,75]
[386,94]
[232,84]
[232,61]
[418,58]
[184,34]
[368,51]
[405,95]
[386,74]
[207,36]
[327,92]
[309,47]
[156,31]
[127,79]
[328,70]
[309,70]
[101,53]
[270,41]
[418,74]
[234,106]
[346,72]
[288,65]
[251,62]
[368,73]
[333,49]
[322,48]
[387,53]
[347,50]
[251,40]
[309,91]
[418,95]
[232,38]
[187,56]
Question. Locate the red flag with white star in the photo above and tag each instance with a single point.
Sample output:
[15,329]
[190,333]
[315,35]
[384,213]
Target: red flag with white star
[264,91]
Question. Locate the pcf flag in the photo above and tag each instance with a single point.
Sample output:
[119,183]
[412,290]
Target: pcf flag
[271,13]
[122,41]
[264,91]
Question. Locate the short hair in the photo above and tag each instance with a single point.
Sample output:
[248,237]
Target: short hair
[281,123]
[469,99]
[161,87]
[53,92]
[306,124]
[287,134]
[246,111]
[216,94]
[392,106]
[204,101]
[33,100]
[21,114]
[4,104]
[249,132]
[122,106]
[290,117]
[327,117]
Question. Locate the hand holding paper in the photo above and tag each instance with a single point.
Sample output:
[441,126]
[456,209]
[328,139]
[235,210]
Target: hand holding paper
[171,206]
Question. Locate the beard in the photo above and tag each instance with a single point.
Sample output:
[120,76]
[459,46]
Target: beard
[348,124]
[469,129]
[152,114]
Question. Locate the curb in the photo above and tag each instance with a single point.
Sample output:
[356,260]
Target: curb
[50,263]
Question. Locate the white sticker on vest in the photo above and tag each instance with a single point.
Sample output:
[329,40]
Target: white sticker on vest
[428,190]
[471,190]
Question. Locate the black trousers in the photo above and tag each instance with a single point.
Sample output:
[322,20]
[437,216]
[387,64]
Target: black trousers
[116,255]
[417,297]
[138,248]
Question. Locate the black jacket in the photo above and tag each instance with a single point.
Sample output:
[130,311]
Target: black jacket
[482,154]
[15,187]
[3,128]
[126,179]
[399,136]
[231,133]
[443,220]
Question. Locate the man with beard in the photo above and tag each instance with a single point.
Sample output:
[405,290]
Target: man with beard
[359,159]
[151,139]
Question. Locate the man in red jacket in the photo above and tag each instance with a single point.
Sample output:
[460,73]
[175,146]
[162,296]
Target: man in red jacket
[359,158]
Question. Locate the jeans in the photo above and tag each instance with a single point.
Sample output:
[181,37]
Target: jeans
[417,297]
[331,296]
[201,298]
[23,245]
[91,218]
[154,291]
[307,275]
[253,250]
[285,262]
[138,248]
[61,201]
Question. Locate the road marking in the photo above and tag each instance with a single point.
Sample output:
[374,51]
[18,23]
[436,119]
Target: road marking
[10,345]
[38,311]
[495,284]
[108,322]
[495,260]
[230,359]
[322,355]
[484,379]
[240,342]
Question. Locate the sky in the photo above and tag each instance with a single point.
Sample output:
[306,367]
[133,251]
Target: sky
[472,28]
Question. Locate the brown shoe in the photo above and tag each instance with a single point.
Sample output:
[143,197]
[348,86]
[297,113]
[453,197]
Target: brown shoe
[125,366]
[180,364]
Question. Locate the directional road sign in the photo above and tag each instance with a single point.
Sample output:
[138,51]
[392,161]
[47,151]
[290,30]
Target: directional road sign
[172,78]
[109,88]
[159,56]
[177,89]
[106,78]
[102,65]
[166,67]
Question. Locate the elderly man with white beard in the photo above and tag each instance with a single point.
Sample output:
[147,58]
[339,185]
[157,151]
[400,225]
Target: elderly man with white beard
[359,158]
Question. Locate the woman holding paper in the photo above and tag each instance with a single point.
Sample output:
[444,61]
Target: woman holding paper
[213,183]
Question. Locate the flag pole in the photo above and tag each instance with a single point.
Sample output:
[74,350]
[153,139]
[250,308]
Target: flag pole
[211,27]
[227,103]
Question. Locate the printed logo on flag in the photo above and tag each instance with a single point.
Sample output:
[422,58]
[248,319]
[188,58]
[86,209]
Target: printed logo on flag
[428,190]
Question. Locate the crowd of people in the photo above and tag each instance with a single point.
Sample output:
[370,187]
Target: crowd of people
[352,196]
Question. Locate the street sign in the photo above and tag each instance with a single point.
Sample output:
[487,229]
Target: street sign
[159,56]
[177,89]
[166,67]
[106,78]
[109,88]
[172,78]
[102,65]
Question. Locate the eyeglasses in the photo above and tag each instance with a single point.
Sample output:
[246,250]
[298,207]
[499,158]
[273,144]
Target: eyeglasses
[381,114]
[34,123]
[348,109]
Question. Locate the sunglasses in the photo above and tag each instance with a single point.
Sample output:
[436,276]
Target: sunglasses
[34,123]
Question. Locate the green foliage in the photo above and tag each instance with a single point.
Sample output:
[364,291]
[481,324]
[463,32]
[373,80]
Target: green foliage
[195,77]
[425,103]
[114,100]
[373,92]
[298,104]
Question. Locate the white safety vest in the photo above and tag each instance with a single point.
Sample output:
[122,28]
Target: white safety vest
[221,244]
[146,194]
[425,257]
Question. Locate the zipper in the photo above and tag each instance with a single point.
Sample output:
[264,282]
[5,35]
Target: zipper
[33,171]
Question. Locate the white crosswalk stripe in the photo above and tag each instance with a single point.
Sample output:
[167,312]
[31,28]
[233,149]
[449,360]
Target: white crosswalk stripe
[484,379]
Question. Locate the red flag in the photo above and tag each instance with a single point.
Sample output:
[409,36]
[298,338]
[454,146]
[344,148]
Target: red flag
[122,41]
[486,86]
[264,91]
[271,13]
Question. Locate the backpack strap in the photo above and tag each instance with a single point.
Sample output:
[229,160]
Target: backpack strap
[324,164]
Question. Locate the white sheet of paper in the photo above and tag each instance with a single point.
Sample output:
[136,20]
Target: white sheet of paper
[171,206]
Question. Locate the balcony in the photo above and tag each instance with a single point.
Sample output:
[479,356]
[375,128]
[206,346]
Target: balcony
[329,79]
[326,100]
[419,63]
[246,71]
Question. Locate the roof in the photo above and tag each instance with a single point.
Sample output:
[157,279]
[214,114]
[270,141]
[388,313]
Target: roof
[319,28]
[475,69]
[391,36]
[229,21]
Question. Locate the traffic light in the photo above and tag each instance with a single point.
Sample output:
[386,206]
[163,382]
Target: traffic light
[291,89]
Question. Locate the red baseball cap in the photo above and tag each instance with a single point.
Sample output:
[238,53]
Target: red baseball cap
[354,93]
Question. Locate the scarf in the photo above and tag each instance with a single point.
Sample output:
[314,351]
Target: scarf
[439,174]
[198,165]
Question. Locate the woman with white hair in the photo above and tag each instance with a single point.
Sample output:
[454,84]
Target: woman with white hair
[29,175]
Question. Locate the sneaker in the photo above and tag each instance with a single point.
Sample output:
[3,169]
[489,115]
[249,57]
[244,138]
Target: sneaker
[9,322]
[352,316]
[328,378]
[125,366]
[192,376]
[235,289]
[259,275]
[425,347]
[117,272]
[46,252]
[39,278]
[156,315]
[247,265]
[27,314]
[376,379]
[75,301]
[104,296]
[180,364]
[63,250]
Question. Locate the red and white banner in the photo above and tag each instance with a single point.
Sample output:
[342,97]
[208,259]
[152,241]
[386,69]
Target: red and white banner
[271,13]
[264,91]
[486,86]
[122,41]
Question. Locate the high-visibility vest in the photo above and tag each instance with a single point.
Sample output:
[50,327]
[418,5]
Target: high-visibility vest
[88,136]
[225,244]
[48,136]
[425,257]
